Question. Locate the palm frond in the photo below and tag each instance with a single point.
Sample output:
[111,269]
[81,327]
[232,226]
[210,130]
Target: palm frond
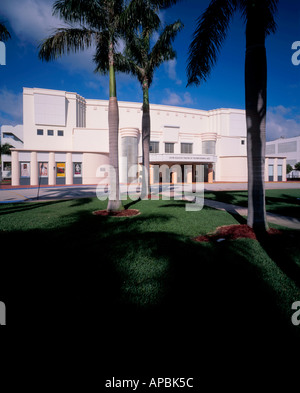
[136,49]
[93,13]
[65,40]
[208,38]
[101,54]
[167,37]
[126,65]
[163,4]
[4,33]
[140,13]
[162,50]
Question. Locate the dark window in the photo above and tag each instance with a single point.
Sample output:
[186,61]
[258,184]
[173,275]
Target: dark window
[187,148]
[271,172]
[60,133]
[279,172]
[7,166]
[169,147]
[154,147]
[11,135]
[40,132]
[50,132]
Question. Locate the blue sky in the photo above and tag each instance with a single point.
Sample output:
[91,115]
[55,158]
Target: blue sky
[29,21]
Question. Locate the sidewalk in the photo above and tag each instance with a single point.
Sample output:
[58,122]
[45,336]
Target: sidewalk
[288,222]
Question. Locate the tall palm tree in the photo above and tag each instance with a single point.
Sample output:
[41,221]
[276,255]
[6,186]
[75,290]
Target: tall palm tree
[141,60]
[99,22]
[208,37]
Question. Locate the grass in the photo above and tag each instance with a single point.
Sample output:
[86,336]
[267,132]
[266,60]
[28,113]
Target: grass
[283,202]
[146,273]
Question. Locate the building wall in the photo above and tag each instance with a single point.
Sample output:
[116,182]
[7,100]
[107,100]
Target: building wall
[287,147]
[63,130]
[12,135]
[233,169]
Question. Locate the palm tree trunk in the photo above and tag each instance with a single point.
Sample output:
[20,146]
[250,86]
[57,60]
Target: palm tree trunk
[114,202]
[256,104]
[146,141]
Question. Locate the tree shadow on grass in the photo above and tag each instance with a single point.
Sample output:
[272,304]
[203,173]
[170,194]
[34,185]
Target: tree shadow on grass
[284,250]
[153,290]
[229,197]
[23,206]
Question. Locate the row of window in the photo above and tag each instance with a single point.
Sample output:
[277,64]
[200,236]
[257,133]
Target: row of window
[185,148]
[271,172]
[50,132]
[208,147]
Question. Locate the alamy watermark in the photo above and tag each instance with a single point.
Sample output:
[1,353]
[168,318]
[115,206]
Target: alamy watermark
[192,192]
[296,55]
[2,53]
[2,314]
[296,314]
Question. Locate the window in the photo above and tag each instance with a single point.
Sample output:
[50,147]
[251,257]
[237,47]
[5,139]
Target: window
[40,132]
[187,148]
[7,166]
[279,172]
[11,136]
[209,147]
[77,166]
[271,172]
[60,133]
[50,132]
[154,147]
[169,147]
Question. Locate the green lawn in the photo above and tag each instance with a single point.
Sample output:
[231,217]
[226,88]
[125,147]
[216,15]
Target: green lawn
[60,257]
[283,202]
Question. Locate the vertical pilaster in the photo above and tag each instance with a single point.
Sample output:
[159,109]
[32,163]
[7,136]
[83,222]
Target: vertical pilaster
[69,169]
[34,175]
[210,173]
[189,174]
[51,169]
[284,170]
[275,169]
[15,168]
[267,169]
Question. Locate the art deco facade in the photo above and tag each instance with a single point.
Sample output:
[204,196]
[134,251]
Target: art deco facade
[65,141]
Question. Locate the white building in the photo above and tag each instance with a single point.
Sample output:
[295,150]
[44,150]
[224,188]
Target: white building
[284,147]
[287,147]
[66,140]
[12,136]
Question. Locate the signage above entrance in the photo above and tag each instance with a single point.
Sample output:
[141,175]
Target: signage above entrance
[192,158]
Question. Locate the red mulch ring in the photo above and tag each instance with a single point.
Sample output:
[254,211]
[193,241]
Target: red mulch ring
[232,232]
[121,213]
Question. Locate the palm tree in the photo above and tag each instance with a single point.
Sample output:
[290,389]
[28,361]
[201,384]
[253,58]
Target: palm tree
[208,38]
[141,60]
[99,22]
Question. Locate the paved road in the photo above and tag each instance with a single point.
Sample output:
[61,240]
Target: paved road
[288,222]
[45,193]
[19,194]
